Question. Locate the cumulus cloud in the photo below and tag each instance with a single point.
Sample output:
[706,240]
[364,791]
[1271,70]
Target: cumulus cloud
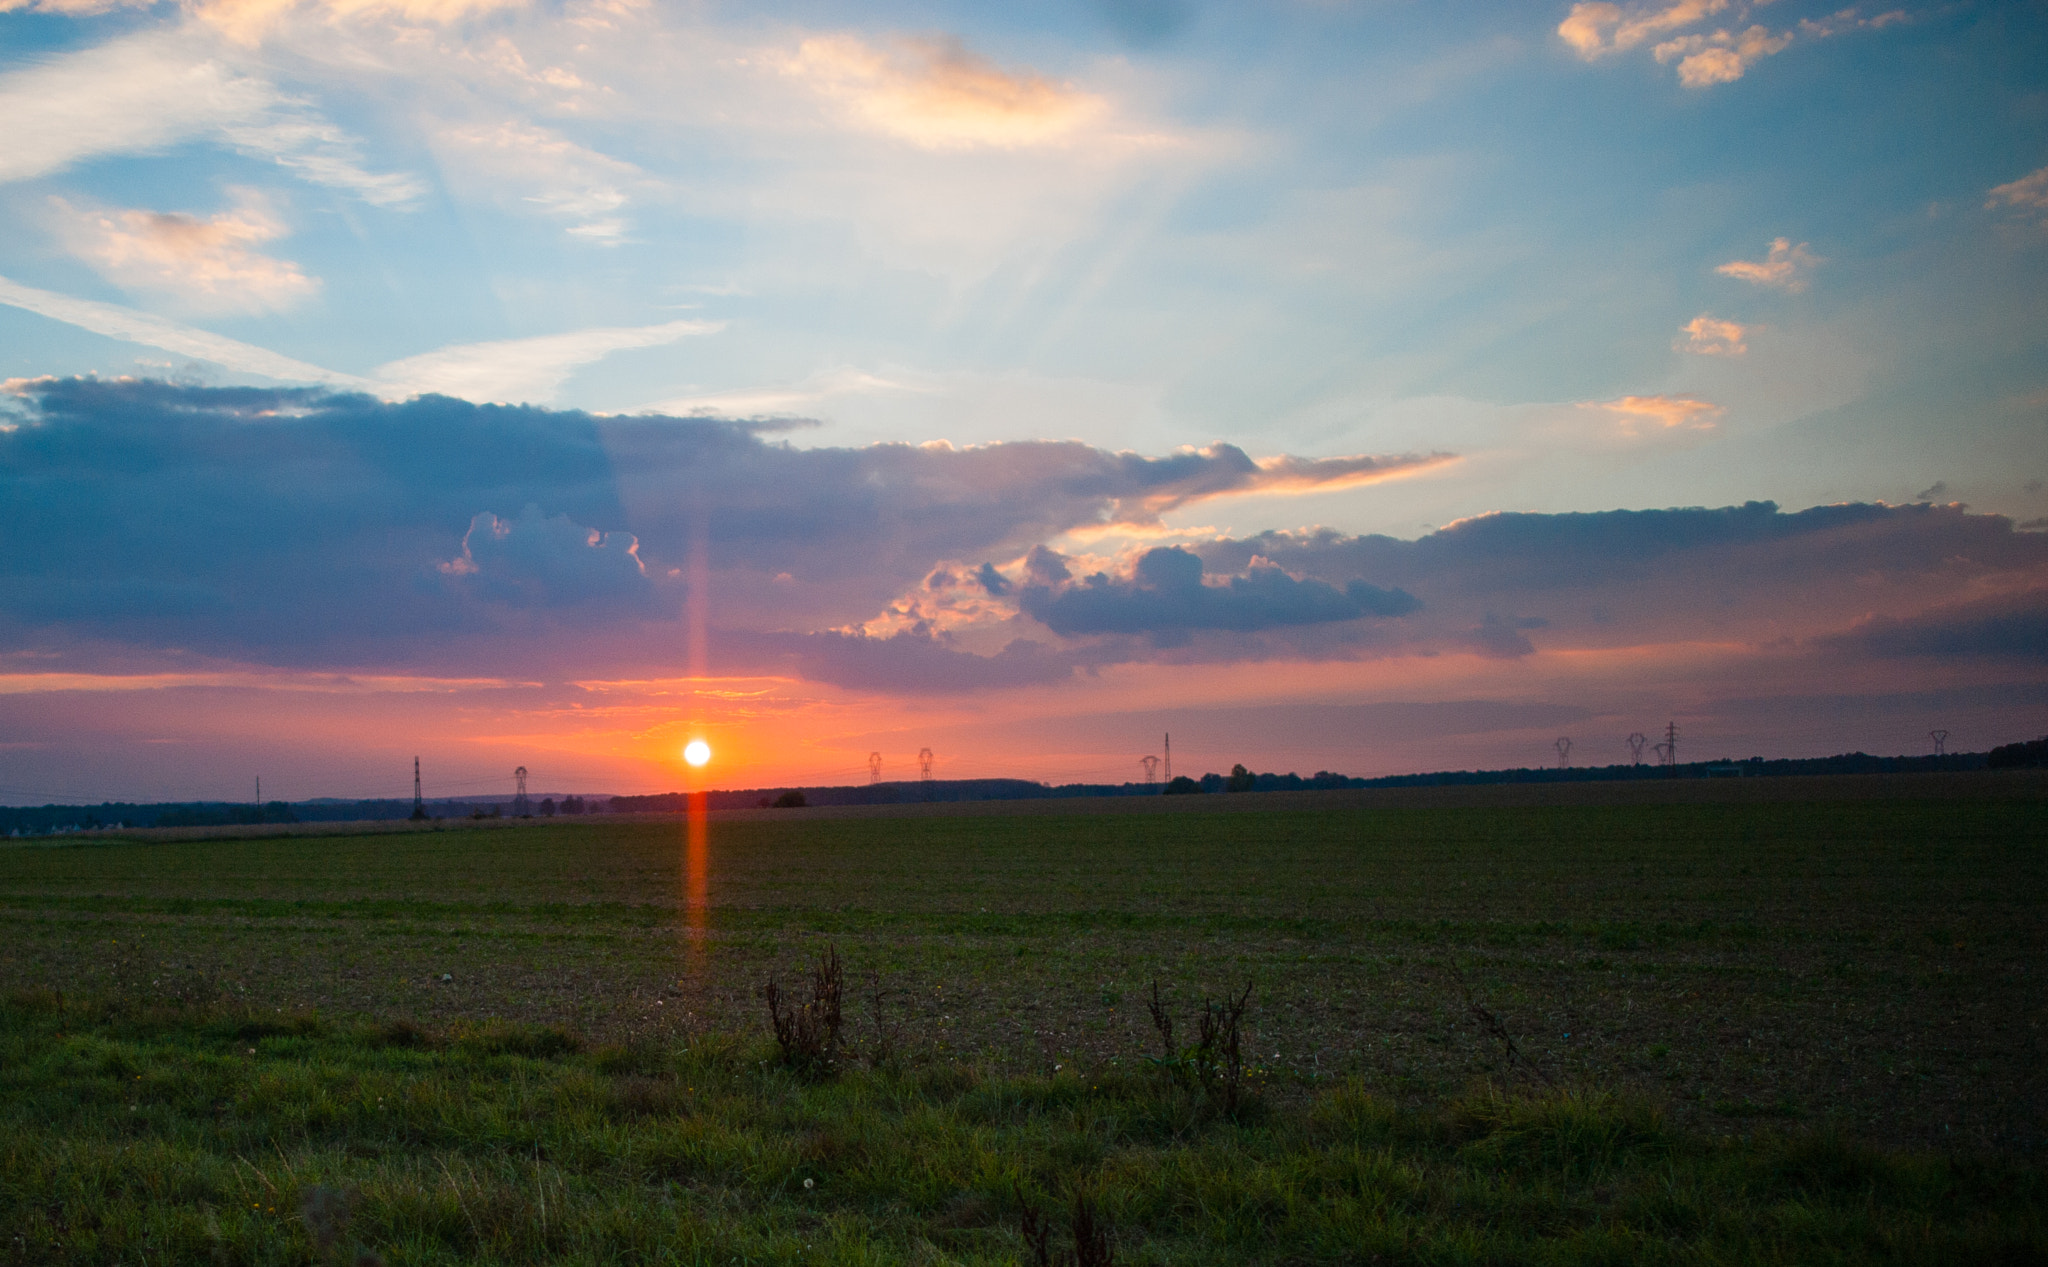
[2010,626]
[1785,267]
[538,560]
[531,369]
[936,93]
[1596,30]
[207,265]
[1704,58]
[373,554]
[1710,336]
[2028,194]
[451,539]
[1165,595]
[1668,413]
[1720,58]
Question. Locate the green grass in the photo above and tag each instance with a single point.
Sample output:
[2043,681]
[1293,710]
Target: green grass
[1804,1032]
[180,1135]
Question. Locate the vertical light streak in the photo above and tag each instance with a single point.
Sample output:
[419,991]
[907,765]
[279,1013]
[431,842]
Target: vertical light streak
[697,830]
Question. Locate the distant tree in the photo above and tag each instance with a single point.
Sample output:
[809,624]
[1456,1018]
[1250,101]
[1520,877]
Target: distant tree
[2014,756]
[1182,785]
[547,807]
[792,799]
[763,803]
[1241,780]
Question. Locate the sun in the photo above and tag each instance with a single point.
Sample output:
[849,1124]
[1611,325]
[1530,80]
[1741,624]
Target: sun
[697,752]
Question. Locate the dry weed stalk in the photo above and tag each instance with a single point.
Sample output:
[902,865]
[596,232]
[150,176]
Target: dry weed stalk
[1498,1029]
[808,1033]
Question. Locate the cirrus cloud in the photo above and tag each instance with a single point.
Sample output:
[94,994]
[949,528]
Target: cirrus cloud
[937,94]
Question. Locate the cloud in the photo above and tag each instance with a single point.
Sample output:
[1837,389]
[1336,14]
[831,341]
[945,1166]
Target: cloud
[205,265]
[1844,20]
[369,560]
[1165,594]
[937,94]
[116,322]
[1599,30]
[541,560]
[532,369]
[1720,58]
[147,92]
[1710,336]
[248,21]
[2009,626]
[2028,194]
[556,176]
[1668,412]
[1785,267]
[71,8]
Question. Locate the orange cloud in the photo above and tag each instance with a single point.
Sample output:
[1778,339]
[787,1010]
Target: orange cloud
[1598,29]
[205,264]
[1720,58]
[1785,267]
[1709,336]
[937,94]
[1667,412]
[2028,193]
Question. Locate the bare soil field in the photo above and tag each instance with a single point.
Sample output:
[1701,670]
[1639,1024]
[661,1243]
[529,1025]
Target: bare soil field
[1863,953]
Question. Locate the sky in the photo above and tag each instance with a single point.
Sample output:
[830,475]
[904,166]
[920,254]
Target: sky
[1334,385]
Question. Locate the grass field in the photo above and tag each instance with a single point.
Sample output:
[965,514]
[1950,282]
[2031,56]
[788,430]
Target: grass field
[1757,983]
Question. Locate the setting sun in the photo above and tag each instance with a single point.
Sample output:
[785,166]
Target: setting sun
[697,752]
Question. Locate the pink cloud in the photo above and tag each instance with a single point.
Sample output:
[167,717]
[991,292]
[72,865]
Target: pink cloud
[1710,336]
[1785,267]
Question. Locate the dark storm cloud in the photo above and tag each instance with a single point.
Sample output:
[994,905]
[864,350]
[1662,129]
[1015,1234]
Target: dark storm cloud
[306,529]
[1165,594]
[306,526]
[2008,626]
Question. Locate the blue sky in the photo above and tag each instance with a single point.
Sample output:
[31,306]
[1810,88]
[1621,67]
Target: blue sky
[1413,264]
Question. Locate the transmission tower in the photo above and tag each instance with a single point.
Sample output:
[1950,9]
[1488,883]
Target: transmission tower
[419,805]
[924,770]
[521,807]
[1169,758]
[1637,741]
[1151,765]
[874,767]
[1667,752]
[1564,753]
[1940,738]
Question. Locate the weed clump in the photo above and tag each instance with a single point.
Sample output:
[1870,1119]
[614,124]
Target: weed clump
[1092,1246]
[808,1033]
[1214,1062]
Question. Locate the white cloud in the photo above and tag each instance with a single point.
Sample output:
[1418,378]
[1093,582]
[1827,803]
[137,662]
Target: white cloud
[147,92]
[526,370]
[116,322]
[547,171]
[1785,267]
[1709,336]
[204,265]
[248,21]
